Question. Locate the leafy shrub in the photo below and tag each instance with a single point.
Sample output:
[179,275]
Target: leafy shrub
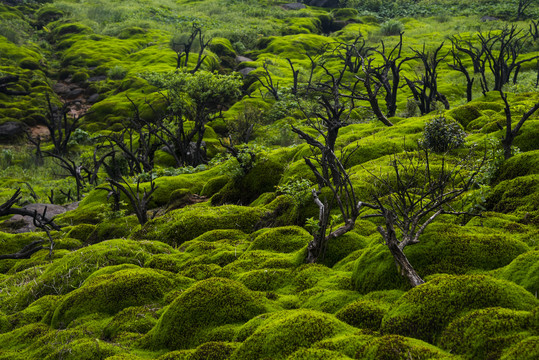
[442,134]
[118,72]
[391,27]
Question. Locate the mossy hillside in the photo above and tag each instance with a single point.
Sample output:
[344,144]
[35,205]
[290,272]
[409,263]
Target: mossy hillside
[527,349]
[400,347]
[18,340]
[364,314]
[283,333]
[134,319]
[424,311]
[281,239]
[35,312]
[484,333]
[69,272]
[519,194]
[446,248]
[522,164]
[523,270]
[186,224]
[113,292]
[209,303]
[291,46]
[327,300]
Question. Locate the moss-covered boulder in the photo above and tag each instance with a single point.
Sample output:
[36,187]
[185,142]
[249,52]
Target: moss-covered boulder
[425,311]
[395,347]
[135,319]
[524,271]
[111,293]
[283,333]
[185,224]
[521,193]
[207,304]
[527,349]
[483,334]
[523,164]
[364,314]
[282,239]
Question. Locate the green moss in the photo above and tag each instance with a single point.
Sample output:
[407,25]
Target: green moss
[214,185]
[86,349]
[113,229]
[330,301]
[521,193]
[283,333]
[375,270]
[424,311]
[111,293]
[522,164]
[282,239]
[308,275]
[317,354]
[137,319]
[364,314]
[185,224]
[222,47]
[207,304]
[338,248]
[527,349]
[523,270]
[482,334]
[71,270]
[20,339]
[395,347]
[217,350]
[265,280]
[465,114]
[35,312]
[80,232]
[526,139]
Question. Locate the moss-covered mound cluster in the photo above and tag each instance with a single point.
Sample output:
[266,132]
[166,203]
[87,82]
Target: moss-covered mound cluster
[195,151]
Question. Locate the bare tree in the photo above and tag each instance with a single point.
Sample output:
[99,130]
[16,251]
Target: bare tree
[510,131]
[183,44]
[425,89]
[501,50]
[41,221]
[266,80]
[138,199]
[412,197]
[522,6]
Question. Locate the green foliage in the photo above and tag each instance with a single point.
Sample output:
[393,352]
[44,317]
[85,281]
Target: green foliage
[299,189]
[207,304]
[117,72]
[391,27]
[441,134]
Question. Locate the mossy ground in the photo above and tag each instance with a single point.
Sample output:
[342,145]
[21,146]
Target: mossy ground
[218,271]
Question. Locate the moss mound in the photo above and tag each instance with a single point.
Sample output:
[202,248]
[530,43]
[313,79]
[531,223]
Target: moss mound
[207,304]
[339,248]
[395,347]
[524,271]
[135,319]
[526,163]
[424,311]
[188,223]
[283,333]
[521,193]
[282,239]
[113,292]
[483,334]
[364,314]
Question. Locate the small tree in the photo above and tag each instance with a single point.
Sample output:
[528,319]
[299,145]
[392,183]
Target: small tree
[193,101]
[184,43]
[412,197]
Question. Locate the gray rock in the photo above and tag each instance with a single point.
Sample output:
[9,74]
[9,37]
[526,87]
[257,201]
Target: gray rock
[323,3]
[246,71]
[11,130]
[23,224]
[97,78]
[241,59]
[73,93]
[488,18]
[93,99]
[293,6]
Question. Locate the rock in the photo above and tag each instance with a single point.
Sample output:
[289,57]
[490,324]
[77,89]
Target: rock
[241,59]
[74,93]
[246,71]
[61,88]
[10,131]
[489,18]
[97,78]
[293,6]
[93,99]
[23,224]
[323,3]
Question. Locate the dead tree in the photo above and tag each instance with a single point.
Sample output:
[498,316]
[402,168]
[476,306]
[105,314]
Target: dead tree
[523,6]
[266,80]
[412,196]
[41,221]
[353,54]
[74,170]
[510,131]
[295,77]
[425,89]
[502,50]
[328,168]
[7,81]
[138,142]
[534,30]
[138,199]
[184,44]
